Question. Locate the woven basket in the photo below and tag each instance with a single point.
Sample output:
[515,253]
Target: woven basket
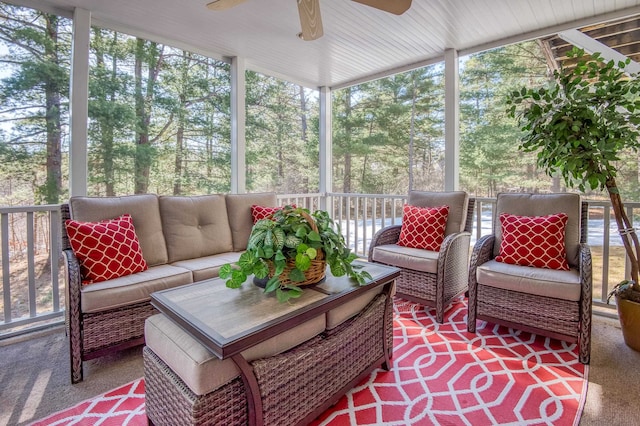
[316,271]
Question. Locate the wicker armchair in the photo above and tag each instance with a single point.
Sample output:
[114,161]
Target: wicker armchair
[547,302]
[431,278]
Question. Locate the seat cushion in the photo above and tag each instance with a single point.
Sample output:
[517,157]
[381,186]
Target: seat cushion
[239,212]
[406,257]
[563,285]
[144,210]
[195,226]
[202,371]
[132,288]
[204,268]
[338,315]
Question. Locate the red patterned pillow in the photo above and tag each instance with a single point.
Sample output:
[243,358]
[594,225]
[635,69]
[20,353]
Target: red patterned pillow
[534,241]
[261,212]
[423,227]
[107,249]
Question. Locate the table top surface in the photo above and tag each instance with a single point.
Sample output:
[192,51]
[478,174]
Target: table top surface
[228,321]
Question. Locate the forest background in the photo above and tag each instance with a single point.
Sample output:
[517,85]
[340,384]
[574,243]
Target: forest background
[159,121]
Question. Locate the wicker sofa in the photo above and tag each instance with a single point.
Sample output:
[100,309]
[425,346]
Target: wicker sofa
[183,240]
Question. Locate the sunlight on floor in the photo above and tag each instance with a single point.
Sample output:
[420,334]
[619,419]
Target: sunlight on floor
[35,397]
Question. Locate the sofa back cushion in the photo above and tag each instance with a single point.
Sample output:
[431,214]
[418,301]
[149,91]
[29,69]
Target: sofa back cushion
[144,210]
[195,226]
[458,201]
[240,219]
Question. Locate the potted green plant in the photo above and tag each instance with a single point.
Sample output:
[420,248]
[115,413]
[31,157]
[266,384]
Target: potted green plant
[578,126]
[291,249]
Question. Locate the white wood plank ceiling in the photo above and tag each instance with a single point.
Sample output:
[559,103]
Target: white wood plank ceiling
[359,41]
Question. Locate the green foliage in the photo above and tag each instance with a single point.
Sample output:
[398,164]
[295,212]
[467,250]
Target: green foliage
[289,235]
[580,124]
[489,159]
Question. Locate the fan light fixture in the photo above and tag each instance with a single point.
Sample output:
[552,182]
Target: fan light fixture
[309,11]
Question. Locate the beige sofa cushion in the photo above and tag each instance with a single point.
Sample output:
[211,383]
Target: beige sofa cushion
[542,205]
[202,371]
[345,311]
[207,267]
[563,285]
[132,288]
[195,226]
[144,210]
[239,212]
[407,257]
[458,202]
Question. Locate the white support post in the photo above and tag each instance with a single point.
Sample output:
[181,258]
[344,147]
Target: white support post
[79,102]
[326,147]
[451,121]
[238,122]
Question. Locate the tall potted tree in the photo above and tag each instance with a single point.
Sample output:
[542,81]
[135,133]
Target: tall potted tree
[579,125]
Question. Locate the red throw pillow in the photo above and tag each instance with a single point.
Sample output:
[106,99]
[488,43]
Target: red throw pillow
[534,241]
[261,212]
[423,227]
[107,249]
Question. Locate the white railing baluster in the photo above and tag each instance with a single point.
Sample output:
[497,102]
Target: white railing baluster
[31,276]
[6,283]
[54,256]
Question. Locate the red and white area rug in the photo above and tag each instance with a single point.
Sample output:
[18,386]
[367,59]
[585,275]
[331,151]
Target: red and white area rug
[442,375]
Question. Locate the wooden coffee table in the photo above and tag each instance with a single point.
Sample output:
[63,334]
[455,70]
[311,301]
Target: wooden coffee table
[229,321]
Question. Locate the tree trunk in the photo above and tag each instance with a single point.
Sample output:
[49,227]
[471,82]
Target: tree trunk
[143,102]
[346,183]
[412,129]
[53,183]
[626,229]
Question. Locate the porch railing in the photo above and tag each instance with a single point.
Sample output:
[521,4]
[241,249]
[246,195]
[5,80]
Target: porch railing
[31,293]
[33,288]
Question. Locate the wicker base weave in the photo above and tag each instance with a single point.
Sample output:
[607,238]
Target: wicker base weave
[295,386]
[168,401]
[553,315]
[113,327]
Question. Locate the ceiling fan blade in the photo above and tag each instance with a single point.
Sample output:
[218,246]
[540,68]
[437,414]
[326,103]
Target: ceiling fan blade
[397,7]
[224,4]
[310,19]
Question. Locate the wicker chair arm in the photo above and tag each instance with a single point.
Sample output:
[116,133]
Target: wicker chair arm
[73,314]
[453,263]
[72,271]
[482,252]
[388,235]
[585,269]
[452,243]
[586,295]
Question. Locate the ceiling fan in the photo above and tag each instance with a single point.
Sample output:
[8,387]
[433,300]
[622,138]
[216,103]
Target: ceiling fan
[309,11]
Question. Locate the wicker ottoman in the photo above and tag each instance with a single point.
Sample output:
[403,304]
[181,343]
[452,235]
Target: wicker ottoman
[296,385]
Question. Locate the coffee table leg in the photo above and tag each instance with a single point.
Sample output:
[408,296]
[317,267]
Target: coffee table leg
[388,316]
[251,388]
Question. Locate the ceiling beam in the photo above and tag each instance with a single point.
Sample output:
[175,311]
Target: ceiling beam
[591,45]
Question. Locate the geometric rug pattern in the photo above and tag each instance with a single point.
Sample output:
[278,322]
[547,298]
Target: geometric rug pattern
[121,406]
[441,375]
[444,375]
